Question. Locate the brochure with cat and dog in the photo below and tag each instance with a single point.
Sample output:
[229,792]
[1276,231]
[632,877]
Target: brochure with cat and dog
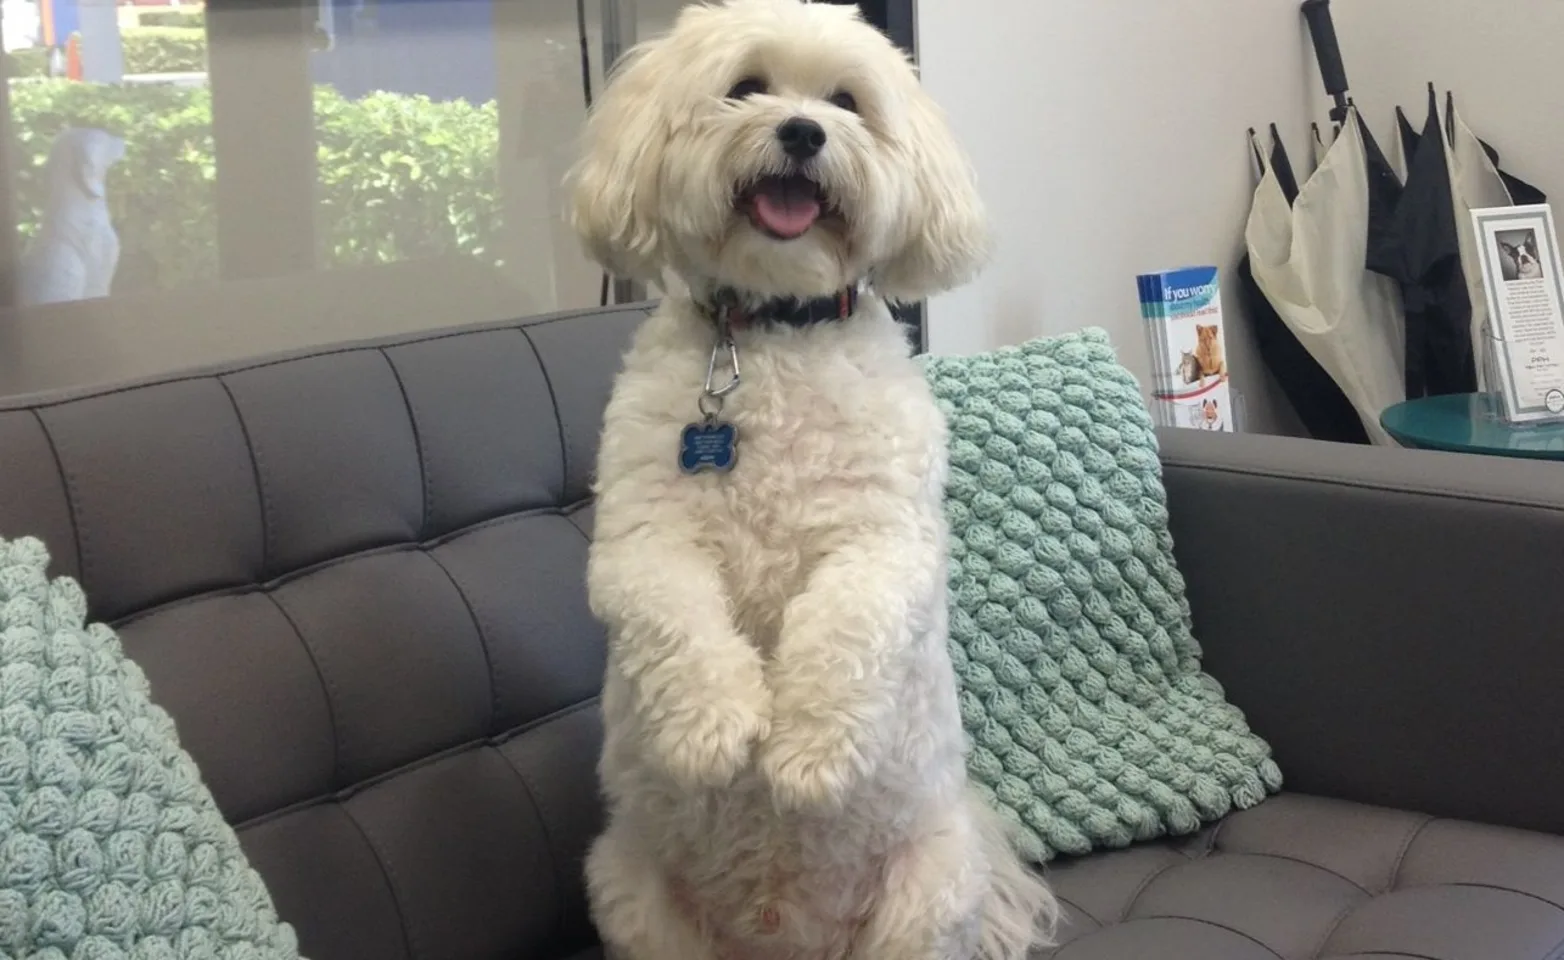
[1183,314]
[1525,288]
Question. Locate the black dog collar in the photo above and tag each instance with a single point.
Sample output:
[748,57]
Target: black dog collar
[787,311]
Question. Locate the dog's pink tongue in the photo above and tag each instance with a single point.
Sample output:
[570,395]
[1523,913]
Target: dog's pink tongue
[786,211]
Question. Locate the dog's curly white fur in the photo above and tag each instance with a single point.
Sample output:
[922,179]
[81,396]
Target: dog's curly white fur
[784,758]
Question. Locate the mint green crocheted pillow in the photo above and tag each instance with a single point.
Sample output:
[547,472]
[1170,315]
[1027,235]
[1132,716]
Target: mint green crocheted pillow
[1090,721]
[111,848]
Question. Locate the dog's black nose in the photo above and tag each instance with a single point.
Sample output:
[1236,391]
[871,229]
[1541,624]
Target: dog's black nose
[801,138]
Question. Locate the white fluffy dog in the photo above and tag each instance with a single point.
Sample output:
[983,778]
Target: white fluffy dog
[784,758]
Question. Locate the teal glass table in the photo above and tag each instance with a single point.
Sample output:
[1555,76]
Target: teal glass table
[1470,423]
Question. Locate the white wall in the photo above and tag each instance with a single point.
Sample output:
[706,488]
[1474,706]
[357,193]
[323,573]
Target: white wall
[1504,62]
[1109,136]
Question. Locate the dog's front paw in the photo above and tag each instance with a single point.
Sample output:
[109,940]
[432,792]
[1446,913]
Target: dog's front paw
[812,765]
[704,741]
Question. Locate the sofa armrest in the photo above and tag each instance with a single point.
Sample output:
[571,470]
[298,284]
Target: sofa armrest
[1392,621]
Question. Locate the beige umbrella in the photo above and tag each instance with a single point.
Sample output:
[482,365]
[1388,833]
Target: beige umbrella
[1477,183]
[1308,259]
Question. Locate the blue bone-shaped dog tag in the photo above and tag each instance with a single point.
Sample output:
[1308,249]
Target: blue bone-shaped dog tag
[709,445]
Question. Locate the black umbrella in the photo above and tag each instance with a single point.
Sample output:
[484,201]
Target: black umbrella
[1414,239]
[1422,241]
[1408,136]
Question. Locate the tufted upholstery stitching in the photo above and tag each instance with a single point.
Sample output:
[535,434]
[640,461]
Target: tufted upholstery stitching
[537,810]
[327,688]
[1129,906]
[1066,901]
[340,742]
[418,445]
[1302,862]
[267,508]
[1214,837]
[1406,847]
[564,435]
[70,501]
[336,798]
[392,884]
[68,484]
[1503,889]
[483,640]
[1333,926]
[1226,927]
[330,563]
[260,477]
[591,703]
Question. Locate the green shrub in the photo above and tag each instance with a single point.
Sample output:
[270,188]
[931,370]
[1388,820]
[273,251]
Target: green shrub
[174,18]
[399,177]
[27,62]
[164,49]
[404,176]
[146,50]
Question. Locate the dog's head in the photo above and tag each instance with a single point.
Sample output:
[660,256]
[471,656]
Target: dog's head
[1521,254]
[779,148]
[80,159]
[1206,334]
[1526,253]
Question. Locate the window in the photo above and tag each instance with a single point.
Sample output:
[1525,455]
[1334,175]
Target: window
[185,183]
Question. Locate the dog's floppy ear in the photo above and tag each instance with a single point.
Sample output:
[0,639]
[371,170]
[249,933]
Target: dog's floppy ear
[613,190]
[945,239]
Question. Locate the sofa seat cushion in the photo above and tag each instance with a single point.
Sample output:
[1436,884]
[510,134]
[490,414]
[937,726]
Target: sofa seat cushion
[1301,877]
[1305,878]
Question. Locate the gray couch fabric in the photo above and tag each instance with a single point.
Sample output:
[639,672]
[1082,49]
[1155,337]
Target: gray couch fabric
[354,577]
[1306,877]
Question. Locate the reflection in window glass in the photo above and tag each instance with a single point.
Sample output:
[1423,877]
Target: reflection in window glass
[187,184]
[113,162]
[408,131]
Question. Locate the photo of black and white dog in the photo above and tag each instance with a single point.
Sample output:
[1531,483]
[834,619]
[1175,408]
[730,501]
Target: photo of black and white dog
[1518,259]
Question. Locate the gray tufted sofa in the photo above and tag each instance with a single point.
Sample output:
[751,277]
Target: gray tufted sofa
[355,579]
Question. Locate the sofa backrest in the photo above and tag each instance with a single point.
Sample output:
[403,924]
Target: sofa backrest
[355,579]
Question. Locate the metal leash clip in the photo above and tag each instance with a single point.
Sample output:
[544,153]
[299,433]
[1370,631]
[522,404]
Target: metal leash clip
[712,443]
[712,394]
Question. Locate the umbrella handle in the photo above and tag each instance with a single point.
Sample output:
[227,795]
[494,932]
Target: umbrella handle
[1328,51]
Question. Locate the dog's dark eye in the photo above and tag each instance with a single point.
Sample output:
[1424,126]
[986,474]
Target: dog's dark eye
[747,88]
[845,101]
